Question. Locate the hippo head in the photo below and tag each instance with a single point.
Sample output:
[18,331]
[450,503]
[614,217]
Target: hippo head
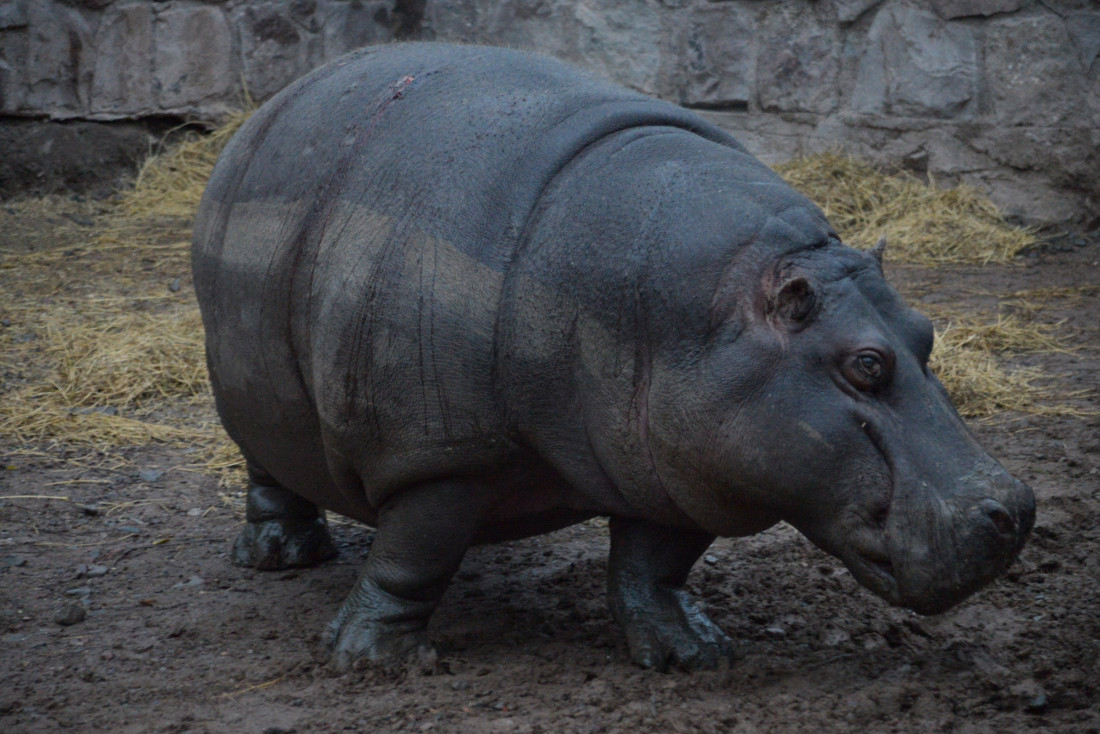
[820,410]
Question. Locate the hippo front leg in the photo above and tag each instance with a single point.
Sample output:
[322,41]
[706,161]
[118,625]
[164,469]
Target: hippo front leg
[422,534]
[646,573]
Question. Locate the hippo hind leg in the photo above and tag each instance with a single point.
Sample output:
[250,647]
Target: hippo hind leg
[647,569]
[282,530]
[423,533]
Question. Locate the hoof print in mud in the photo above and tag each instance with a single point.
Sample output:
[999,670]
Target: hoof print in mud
[484,296]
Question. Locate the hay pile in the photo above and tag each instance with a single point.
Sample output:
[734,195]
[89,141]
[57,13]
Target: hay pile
[969,359]
[112,374]
[170,185]
[104,346]
[924,224]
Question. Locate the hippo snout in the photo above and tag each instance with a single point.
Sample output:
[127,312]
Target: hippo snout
[1012,518]
[996,513]
[1004,521]
[970,543]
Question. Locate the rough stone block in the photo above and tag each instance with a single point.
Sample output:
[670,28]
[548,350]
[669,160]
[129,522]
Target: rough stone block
[13,15]
[917,65]
[536,25]
[13,68]
[58,72]
[193,59]
[948,9]
[122,82]
[797,66]
[347,26]
[274,48]
[620,40]
[1084,30]
[719,50]
[1008,94]
[1033,74]
[1066,154]
[453,20]
[91,4]
[849,11]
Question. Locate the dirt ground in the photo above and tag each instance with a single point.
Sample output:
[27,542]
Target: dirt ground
[120,611]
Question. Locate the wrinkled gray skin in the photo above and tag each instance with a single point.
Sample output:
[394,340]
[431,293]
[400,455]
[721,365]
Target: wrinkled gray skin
[466,294]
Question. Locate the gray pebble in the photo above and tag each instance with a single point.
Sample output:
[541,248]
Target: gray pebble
[100,409]
[193,581]
[70,614]
[80,219]
[1038,704]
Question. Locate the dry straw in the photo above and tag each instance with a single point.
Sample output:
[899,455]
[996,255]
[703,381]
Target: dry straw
[171,184]
[109,376]
[924,224]
[967,358]
[116,358]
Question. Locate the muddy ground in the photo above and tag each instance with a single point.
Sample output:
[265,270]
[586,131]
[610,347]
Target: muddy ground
[166,635]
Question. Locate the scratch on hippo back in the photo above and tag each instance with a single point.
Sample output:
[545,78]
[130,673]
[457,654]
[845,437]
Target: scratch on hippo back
[392,93]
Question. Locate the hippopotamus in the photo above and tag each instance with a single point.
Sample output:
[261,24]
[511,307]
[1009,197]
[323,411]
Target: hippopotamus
[466,294]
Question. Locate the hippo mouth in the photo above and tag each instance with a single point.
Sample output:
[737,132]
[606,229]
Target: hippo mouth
[873,568]
[871,563]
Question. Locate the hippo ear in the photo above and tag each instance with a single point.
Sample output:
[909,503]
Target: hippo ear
[794,302]
[879,250]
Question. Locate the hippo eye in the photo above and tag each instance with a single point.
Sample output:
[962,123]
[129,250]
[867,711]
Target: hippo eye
[871,366]
[867,370]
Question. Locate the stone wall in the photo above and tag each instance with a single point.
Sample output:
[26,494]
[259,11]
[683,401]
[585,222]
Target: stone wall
[1004,94]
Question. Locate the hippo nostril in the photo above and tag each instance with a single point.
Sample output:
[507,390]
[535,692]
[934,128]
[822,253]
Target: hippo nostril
[999,516]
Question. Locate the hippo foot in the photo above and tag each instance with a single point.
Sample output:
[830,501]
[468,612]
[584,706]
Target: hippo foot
[274,545]
[283,531]
[647,569]
[378,628]
[670,630]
